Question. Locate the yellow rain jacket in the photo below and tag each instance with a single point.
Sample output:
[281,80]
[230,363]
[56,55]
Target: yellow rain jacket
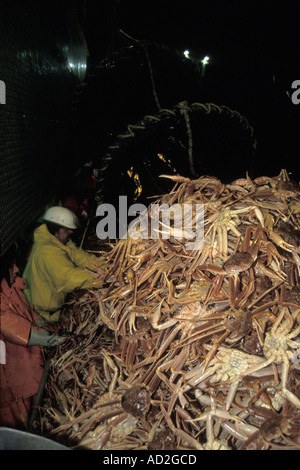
[53,270]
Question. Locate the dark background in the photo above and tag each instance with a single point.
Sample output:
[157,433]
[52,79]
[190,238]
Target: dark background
[122,111]
[254,58]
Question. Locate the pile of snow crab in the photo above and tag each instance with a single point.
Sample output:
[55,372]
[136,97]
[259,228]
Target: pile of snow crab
[189,349]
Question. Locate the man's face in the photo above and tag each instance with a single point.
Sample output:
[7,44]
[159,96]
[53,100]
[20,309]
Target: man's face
[13,272]
[63,235]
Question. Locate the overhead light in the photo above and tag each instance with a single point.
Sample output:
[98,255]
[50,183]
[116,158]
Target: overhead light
[205,60]
[186,54]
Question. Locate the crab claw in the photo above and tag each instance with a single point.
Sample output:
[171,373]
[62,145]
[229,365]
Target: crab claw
[177,178]
[278,240]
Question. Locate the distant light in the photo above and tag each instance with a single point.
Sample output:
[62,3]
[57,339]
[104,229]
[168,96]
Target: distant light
[186,54]
[205,60]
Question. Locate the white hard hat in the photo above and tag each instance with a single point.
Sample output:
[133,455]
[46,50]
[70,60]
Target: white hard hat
[61,216]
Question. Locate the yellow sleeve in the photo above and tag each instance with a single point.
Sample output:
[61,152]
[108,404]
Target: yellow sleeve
[85,259]
[65,275]
[81,257]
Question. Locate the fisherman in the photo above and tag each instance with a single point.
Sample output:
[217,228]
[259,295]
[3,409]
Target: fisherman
[79,193]
[56,266]
[22,367]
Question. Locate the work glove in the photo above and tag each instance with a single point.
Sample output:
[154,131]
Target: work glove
[44,338]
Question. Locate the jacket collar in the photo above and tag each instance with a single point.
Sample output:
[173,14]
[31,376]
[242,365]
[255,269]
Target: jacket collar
[42,234]
[19,284]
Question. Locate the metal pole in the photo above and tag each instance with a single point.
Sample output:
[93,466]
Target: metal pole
[85,230]
[39,395]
